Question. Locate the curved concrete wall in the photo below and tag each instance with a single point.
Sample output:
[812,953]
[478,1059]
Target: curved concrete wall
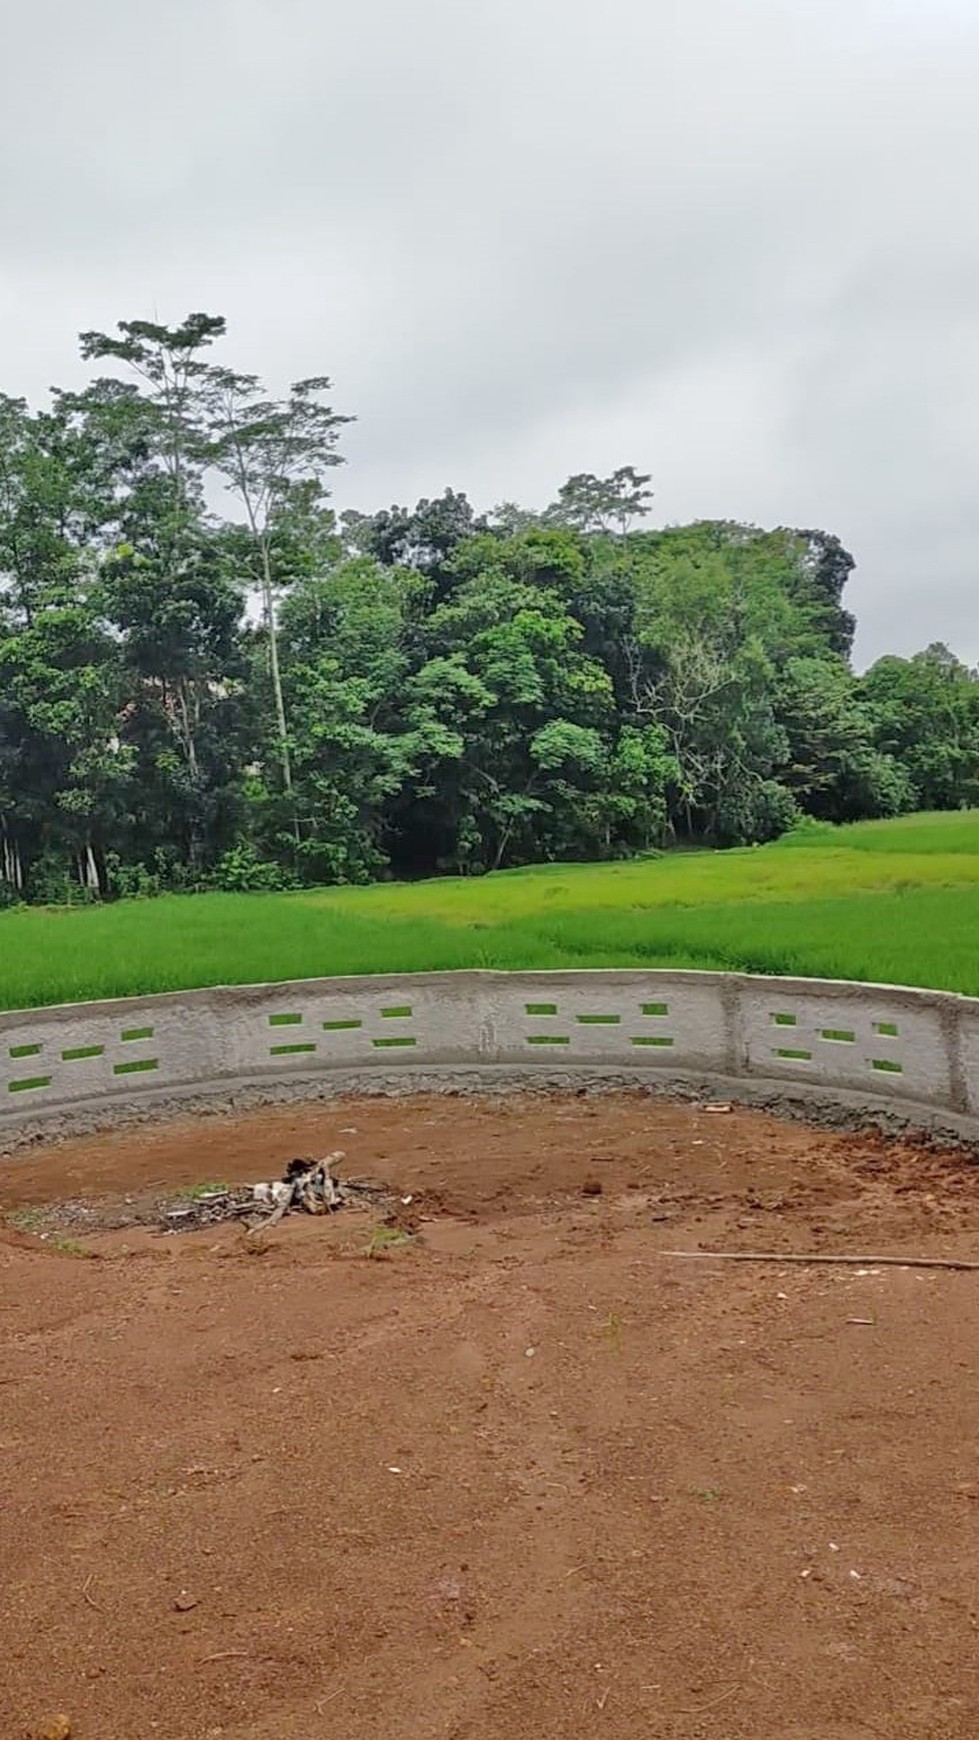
[906,1047]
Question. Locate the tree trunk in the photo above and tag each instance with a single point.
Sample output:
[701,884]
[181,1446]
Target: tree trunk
[188,733]
[280,708]
[11,867]
[504,842]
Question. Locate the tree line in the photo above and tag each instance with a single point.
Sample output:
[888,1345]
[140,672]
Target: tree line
[210,678]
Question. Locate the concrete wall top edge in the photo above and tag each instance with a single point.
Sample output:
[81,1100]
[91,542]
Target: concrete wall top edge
[906,995]
[245,996]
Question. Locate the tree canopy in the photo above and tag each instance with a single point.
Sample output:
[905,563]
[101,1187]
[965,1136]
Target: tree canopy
[209,677]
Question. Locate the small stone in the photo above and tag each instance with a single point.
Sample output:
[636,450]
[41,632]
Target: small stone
[591,1187]
[55,1728]
[185,1603]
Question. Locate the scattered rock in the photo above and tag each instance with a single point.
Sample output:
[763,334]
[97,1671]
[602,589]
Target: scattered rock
[185,1603]
[55,1728]
[591,1187]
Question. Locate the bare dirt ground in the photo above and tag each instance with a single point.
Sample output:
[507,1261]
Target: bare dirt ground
[523,1475]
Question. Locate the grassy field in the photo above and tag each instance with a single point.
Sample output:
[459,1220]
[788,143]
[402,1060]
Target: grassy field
[896,902]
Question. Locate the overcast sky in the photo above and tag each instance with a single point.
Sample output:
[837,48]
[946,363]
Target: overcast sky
[734,243]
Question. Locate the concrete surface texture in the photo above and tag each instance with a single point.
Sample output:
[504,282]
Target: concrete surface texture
[889,1045]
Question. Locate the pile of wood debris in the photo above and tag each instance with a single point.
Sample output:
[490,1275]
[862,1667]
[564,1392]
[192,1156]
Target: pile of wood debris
[306,1187]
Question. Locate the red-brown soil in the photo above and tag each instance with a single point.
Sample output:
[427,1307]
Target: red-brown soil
[522,1476]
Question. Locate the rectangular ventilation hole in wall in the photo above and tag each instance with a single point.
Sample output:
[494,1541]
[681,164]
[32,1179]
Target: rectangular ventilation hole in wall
[784,1021]
[886,1065]
[793,1056]
[131,1033]
[341,1026]
[598,1020]
[290,1050]
[138,1065]
[652,1039]
[547,1039]
[285,1020]
[400,1012]
[389,1044]
[656,1008]
[838,1035]
[25,1050]
[81,1051]
[26,1086]
[886,1029]
[540,1008]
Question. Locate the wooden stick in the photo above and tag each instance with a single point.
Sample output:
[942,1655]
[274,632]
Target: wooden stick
[698,1709]
[795,1257]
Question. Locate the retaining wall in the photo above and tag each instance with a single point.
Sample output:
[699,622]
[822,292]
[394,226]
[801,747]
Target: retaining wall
[903,1047]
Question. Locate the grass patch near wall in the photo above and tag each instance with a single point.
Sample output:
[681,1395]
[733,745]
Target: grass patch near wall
[896,902]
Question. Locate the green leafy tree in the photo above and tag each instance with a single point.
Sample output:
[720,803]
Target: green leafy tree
[925,712]
[423,538]
[163,587]
[835,770]
[40,553]
[345,668]
[539,772]
[587,503]
[65,777]
[698,667]
[274,456]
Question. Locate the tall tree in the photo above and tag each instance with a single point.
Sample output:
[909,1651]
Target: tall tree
[588,503]
[168,360]
[822,569]
[144,439]
[269,453]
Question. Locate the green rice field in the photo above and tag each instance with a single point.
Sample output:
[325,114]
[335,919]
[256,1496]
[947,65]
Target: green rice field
[896,902]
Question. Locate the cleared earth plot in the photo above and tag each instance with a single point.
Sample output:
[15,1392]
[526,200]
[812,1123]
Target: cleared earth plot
[509,1469]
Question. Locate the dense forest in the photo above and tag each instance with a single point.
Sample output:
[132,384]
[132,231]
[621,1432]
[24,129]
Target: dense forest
[210,678]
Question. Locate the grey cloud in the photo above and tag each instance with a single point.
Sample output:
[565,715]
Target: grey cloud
[731,241]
